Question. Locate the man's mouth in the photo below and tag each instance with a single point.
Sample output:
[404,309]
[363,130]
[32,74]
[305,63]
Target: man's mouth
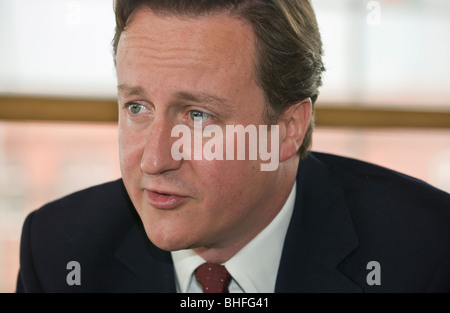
[164,200]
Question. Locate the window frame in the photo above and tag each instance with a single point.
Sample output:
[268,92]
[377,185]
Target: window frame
[39,108]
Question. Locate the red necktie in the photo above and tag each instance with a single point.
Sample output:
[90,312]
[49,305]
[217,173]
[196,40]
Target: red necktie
[214,278]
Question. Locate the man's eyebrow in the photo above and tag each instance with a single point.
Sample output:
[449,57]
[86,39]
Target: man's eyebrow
[202,98]
[199,98]
[128,90]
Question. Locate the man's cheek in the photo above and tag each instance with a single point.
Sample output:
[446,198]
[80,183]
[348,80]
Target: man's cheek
[130,158]
[221,177]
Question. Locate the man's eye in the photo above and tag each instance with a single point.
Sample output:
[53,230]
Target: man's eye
[135,108]
[200,117]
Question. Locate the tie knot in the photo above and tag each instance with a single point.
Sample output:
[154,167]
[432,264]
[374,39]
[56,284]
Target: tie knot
[214,278]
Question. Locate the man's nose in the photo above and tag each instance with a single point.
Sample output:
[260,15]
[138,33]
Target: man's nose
[157,157]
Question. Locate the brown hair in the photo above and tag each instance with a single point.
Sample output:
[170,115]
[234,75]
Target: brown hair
[289,47]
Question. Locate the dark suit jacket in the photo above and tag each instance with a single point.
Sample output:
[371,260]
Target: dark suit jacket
[347,213]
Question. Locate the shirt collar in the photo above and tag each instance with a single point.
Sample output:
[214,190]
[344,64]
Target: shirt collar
[254,268]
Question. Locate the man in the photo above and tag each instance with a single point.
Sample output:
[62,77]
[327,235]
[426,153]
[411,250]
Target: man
[313,223]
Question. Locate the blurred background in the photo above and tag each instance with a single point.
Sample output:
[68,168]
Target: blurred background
[385,98]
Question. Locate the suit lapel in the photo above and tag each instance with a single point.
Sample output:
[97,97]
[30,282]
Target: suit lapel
[150,269]
[320,235]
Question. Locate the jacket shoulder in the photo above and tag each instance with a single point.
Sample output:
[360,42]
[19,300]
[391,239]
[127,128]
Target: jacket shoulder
[88,208]
[363,176]
[86,226]
[400,221]
[385,193]
[87,214]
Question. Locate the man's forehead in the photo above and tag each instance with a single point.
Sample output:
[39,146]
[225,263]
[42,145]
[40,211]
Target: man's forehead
[131,90]
[174,27]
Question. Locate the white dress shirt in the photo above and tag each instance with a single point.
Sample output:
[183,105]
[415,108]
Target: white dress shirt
[254,268]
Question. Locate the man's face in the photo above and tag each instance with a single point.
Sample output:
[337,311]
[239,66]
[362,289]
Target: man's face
[172,70]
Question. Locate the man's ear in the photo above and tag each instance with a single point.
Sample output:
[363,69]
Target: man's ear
[294,121]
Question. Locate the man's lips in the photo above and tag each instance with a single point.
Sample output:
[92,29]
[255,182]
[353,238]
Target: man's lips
[163,200]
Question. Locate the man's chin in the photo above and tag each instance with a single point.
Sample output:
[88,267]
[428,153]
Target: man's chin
[167,242]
